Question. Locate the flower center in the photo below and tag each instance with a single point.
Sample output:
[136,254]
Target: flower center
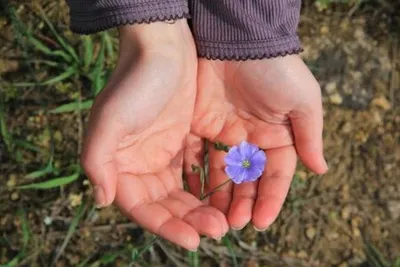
[246,163]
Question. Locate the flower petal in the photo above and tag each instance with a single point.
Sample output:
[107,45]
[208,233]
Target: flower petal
[247,150]
[235,173]
[259,159]
[233,157]
[252,174]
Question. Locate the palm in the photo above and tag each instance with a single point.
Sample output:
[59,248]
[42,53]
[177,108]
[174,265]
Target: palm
[253,101]
[142,155]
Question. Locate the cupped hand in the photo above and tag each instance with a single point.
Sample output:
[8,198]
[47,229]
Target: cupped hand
[137,132]
[274,103]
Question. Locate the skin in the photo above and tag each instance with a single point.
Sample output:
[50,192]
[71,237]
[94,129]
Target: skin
[133,150]
[148,124]
[274,103]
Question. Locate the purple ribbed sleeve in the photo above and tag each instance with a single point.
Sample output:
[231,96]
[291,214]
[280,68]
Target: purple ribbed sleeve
[245,29]
[89,16]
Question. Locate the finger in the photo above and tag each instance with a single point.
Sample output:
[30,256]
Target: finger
[193,156]
[152,216]
[307,129]
[241,208]
[98,156]
[192,201]
[159,220]
[221,198]
[274,186]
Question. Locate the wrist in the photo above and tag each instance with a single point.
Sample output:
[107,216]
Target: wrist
[163,36]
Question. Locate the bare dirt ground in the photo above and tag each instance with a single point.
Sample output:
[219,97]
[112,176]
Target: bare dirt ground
[326,221]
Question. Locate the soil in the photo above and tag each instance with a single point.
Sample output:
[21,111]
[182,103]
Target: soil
[326,221]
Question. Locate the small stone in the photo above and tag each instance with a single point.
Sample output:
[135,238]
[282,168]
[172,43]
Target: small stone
[324,30]
[336,99]
[347,127]
[310,233]
[48,220]
[58,136]
[302,254]
[381,102]
[14,196]
[12,181]
[356,232]
[345,213]
[330,87]
[75,199]
[394,209]
[332,235]
[302,175]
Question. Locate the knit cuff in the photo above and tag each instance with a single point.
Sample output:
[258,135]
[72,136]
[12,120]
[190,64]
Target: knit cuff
[93,16]
[245,29]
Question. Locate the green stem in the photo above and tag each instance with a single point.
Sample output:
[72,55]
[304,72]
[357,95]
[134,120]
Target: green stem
[215,189]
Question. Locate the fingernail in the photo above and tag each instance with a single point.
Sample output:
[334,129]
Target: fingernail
[193,250]
[260,230]
[217,238]
[99,196]
[237,228]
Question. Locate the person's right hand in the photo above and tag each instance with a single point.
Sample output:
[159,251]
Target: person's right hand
[137,132]
[273,103]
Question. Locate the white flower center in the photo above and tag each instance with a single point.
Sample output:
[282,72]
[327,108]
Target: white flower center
[246,163]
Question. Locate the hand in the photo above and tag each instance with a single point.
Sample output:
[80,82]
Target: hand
[137,131]
[265,102]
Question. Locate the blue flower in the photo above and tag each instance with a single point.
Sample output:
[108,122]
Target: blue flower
[245,163]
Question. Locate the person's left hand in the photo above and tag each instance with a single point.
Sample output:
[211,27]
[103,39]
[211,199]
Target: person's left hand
[273,103]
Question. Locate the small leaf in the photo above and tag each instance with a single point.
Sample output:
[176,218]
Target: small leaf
[56,182]
[221,146]
[65,75]
[70,107]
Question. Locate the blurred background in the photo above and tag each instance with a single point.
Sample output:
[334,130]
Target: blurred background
[348,217]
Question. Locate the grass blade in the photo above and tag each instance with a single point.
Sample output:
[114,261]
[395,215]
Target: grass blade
[109,45]
[63,76]
[71,231]
[70,107]
[374,257]
[7,138]
[194,260]
[228,244]
[88,51]
[53,183]
[96,75]
[60,39]
[26,145]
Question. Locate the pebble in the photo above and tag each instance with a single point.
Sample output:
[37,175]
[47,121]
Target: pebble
[336,99]
[310,233]
[381,102]
[394,209]
[345,213]
[14,196]
[302,254]
[330,87]
[12,181]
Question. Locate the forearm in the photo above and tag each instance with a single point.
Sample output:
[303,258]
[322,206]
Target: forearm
[89,16]
[246,29]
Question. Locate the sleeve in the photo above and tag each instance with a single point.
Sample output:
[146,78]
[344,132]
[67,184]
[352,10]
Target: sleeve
[90,16]
[245,29]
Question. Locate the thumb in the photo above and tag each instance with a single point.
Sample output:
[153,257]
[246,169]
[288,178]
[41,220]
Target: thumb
[307,129]
[97,157]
